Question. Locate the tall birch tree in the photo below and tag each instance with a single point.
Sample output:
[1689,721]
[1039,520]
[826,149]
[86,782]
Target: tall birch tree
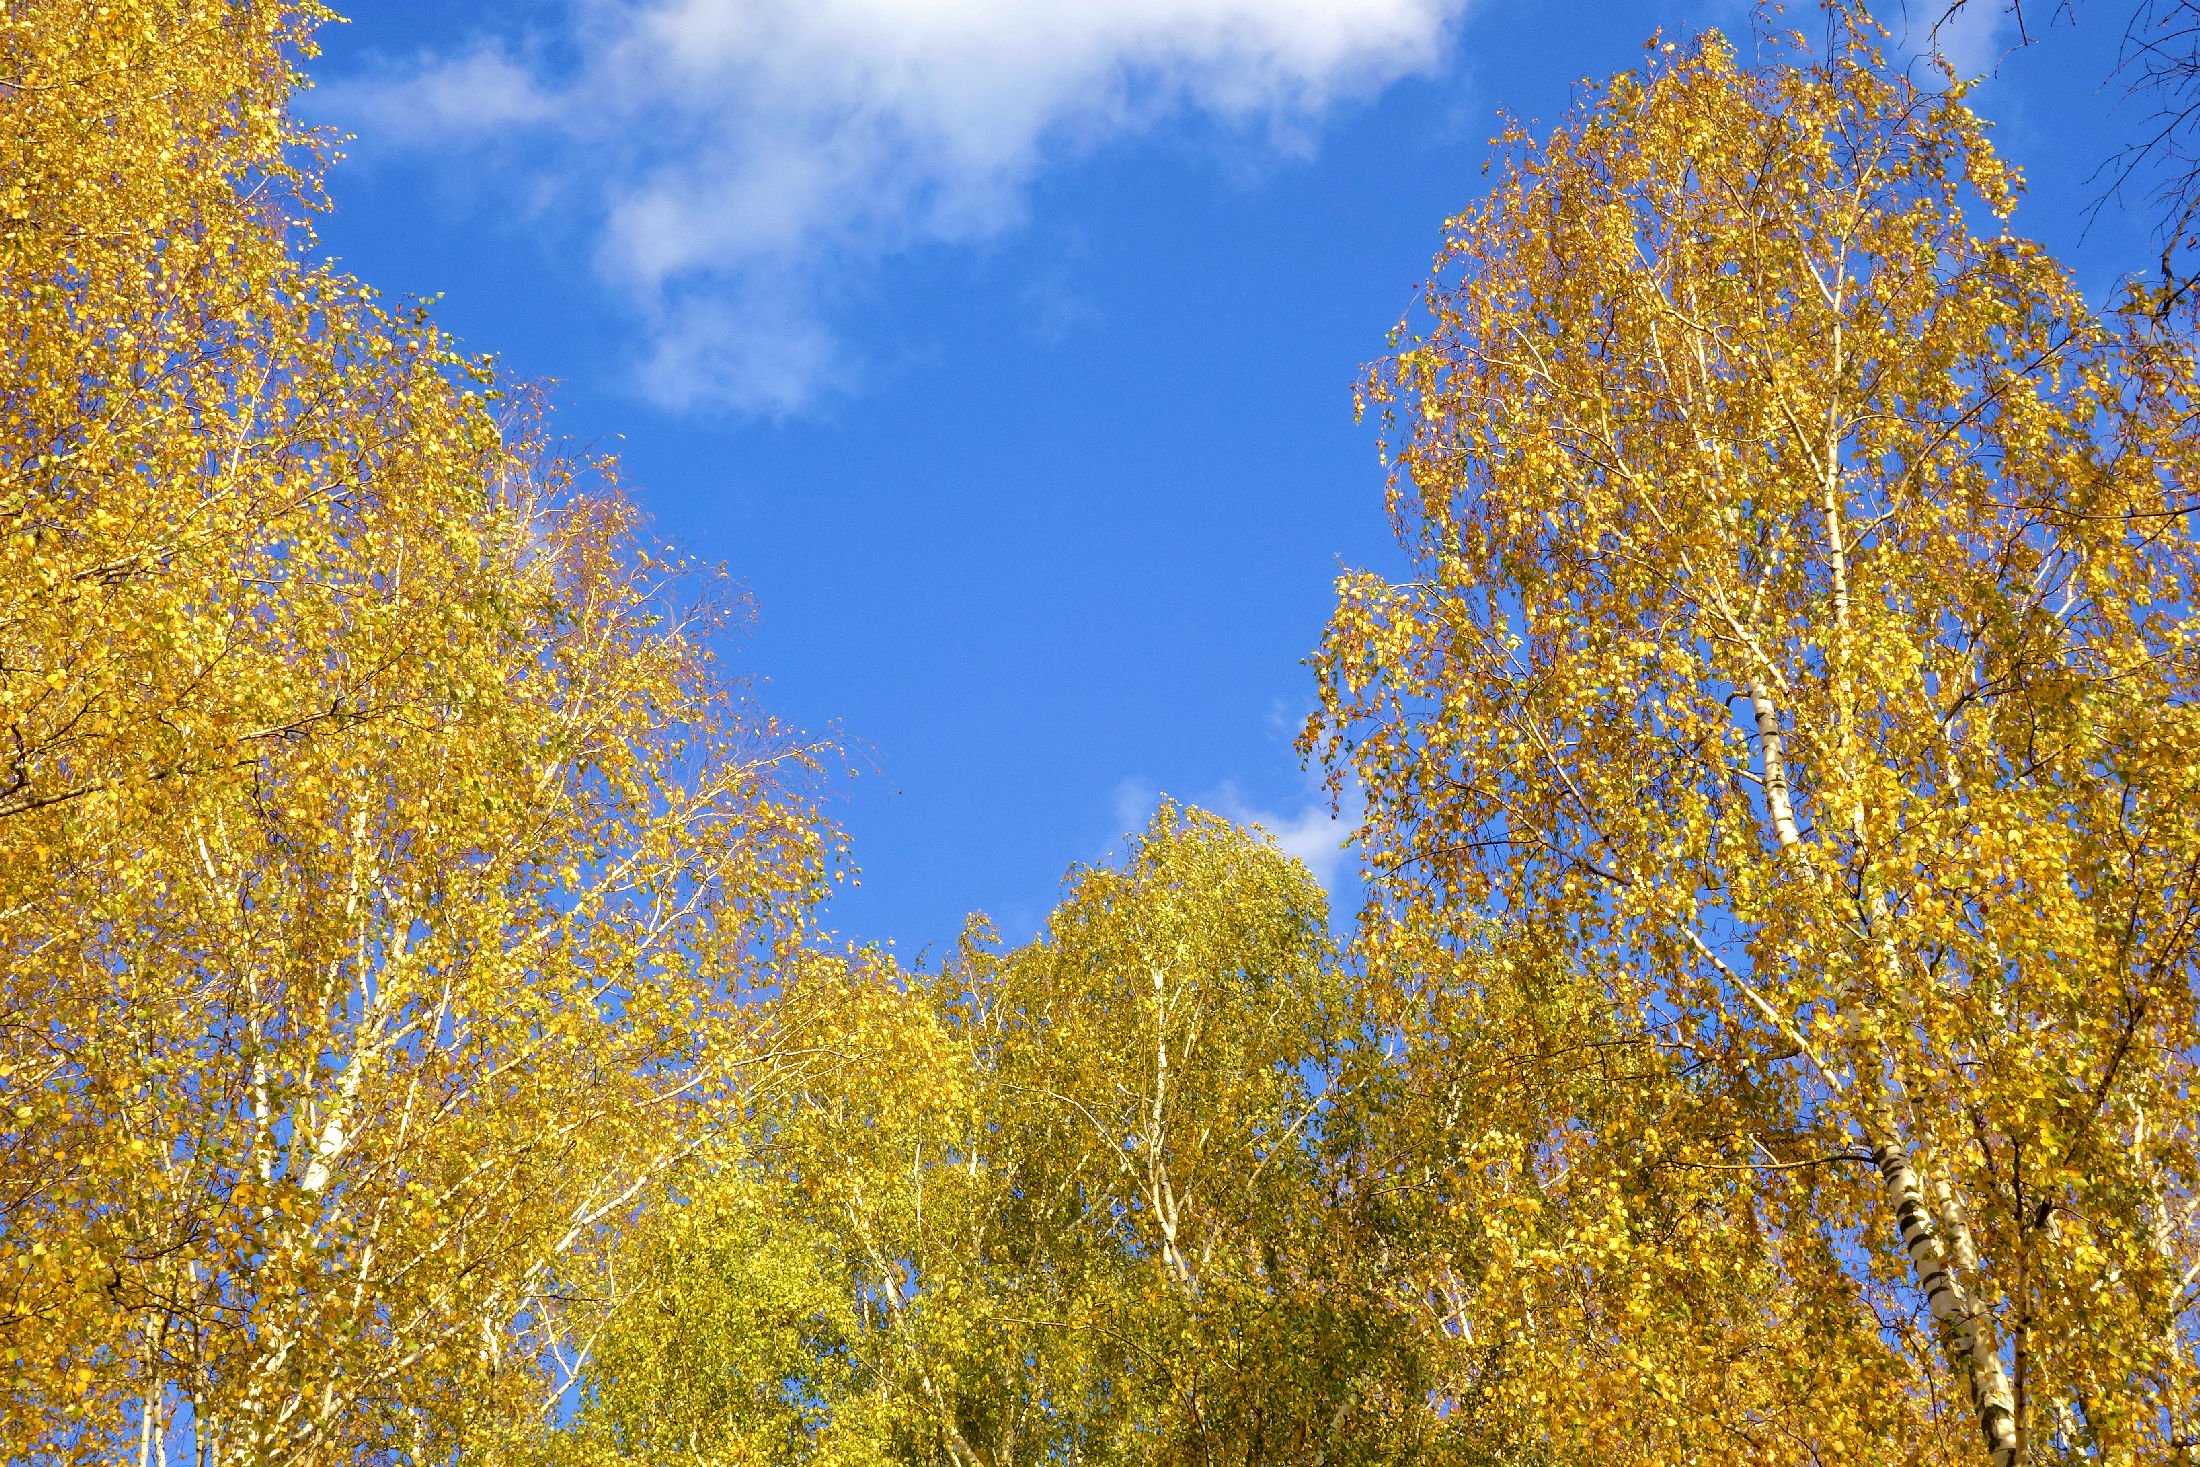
[382,856]
[1800,649]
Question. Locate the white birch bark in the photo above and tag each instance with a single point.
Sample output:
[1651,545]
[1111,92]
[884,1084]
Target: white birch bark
[1937,1243]
[1966,1328]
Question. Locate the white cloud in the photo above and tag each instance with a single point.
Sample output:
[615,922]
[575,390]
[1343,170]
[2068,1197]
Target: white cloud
[741,159]
[1313,835]
[472,95]
[1134,804]
[1973,39]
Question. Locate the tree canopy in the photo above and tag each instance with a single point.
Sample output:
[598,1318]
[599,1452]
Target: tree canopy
[1801,653]
[1768,1030]
[382,861]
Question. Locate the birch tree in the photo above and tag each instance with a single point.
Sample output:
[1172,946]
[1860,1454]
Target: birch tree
[1162,1063]
[1799,648]
[1065,1201]
[382,856]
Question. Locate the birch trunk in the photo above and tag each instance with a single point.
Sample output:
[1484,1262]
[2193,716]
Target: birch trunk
[1966,1328]
[1933,1241]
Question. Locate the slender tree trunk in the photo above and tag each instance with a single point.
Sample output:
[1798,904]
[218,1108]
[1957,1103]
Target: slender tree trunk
[1966,1329]
[1936,1242]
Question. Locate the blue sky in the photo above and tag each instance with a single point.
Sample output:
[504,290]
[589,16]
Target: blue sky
[1004,348]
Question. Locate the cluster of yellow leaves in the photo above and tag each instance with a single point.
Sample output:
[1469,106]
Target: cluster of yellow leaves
[1071,1201]
[1799,665]
[382,862]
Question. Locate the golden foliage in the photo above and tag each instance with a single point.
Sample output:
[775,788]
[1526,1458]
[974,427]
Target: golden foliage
[1771,1032]
[1068,1201]
[1797,666]
[382,862]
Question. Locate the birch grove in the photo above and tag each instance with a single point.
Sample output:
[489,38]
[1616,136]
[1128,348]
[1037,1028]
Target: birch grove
[1766,1031]
[1068,1200]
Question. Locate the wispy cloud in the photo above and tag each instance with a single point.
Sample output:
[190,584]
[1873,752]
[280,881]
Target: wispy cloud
[1311,834]
[1974,39]
[738,162]
[1314,834]
[471,95]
